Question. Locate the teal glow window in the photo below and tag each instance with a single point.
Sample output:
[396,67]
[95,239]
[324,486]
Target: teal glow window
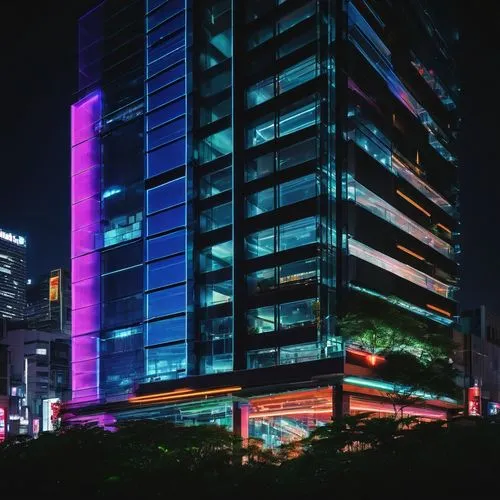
[216,327]
[261,358]
[216,217]
[260,243]
[298,313]
[216,183]
[303,271]
[216,293]
[216,257]
[297,190]
[259,203]
[260,131]
[298,74]
[299,353]
[214,146]
[298,233]
[298,117]
[260,92]
[261,320]
[167,362]
[259,167]
[261,281]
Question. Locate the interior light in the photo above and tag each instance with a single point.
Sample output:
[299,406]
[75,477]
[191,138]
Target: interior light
[414,203]
[409,252]
[439,310]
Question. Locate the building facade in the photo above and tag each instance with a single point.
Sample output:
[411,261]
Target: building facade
[12,275]
[242,172]
[48,302]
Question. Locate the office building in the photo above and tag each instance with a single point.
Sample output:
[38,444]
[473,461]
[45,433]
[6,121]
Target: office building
[12,275]
[48,302]
[241,173]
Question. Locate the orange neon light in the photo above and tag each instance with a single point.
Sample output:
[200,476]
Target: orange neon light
[409,252]
[443,227]
[437,309]
[187,393]
[372,358]
[412,202]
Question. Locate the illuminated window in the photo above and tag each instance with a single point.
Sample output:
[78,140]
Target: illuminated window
[216,257]
[261,320]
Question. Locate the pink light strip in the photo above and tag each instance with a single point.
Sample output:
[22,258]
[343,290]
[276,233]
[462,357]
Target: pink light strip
[85,223]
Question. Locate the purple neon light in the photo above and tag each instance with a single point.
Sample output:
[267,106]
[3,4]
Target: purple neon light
[85,223]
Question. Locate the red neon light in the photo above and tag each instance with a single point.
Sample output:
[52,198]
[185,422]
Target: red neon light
[474,405]
[372,359]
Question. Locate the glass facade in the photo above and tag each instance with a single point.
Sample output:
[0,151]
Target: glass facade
[238,177]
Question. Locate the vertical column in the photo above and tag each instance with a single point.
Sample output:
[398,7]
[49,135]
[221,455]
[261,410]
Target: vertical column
[85,262]
[168,261]
[240,419]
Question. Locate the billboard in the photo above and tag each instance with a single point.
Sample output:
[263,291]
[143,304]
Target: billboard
[3,424]
[54,289]
[50,414]
[474,405]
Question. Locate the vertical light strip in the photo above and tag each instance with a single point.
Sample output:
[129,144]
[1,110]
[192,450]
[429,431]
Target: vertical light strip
[85,262]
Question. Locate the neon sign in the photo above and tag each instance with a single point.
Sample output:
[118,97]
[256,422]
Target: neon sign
[474,405]
[13,238]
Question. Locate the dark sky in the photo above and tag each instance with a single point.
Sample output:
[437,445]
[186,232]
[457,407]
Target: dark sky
[39,78]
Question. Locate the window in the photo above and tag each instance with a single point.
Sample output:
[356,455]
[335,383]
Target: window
[260,243]
[167,220]
[164,302]
[216,217]
[298,74]
[216,257]
[260,92]
[261,281]
[166,272]
[166,113]
[166,158]
[214,146]
[168,362]
[299,353]
[216,183]
[260,131]
[166,245]
[298,153]
[216,293]
[261,320]
[167,330]
[297,16]
[298,233]
[261,358]
[166,195]
[217,327]
[259,203]
[259,167]
[298,42]
[298,190]
[211,111]
[298,313]
[298,272]
[215,84]
[298,116]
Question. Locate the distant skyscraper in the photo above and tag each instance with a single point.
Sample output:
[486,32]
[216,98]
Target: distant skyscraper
[243,172]
[12,275]
[48,302]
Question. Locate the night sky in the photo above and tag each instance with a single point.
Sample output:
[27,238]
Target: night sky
[39,78]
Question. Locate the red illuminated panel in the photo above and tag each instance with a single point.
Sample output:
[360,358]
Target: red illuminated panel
[3,424]
[474,405]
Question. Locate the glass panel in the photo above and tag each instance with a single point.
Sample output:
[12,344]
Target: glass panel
[166,77]
[302,115]
[298,74]
[298,233]
[259,167]
[167,94]
[166,113]
[166,195]
[166,158]
[298,190]
[215,146]
[261,358]
[166,330]
[303,271]
[299,353]
[168,362]
[261,281]
[167,220]
[216,217]
[297,16]
[261,320]
[217,327]
[298,42]
[260,92]
[166,133]
[216,257]
[216,293]
[165,302]
[215,84]
[216,182]
[259,203]
[213,111]
[298,313]
[166,28]
[298,153]
[263,34]
[260,243]
[165,245]
[260,132]
[166,272]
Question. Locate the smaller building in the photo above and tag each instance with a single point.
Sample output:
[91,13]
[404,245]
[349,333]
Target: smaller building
[48,302]
[12,275]
[480,356]
[38,370]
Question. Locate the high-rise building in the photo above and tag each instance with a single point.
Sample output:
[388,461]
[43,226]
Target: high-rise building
[12,275]
[48,302]
[241,173]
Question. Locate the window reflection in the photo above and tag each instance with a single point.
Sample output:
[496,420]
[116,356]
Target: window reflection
[216,217]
